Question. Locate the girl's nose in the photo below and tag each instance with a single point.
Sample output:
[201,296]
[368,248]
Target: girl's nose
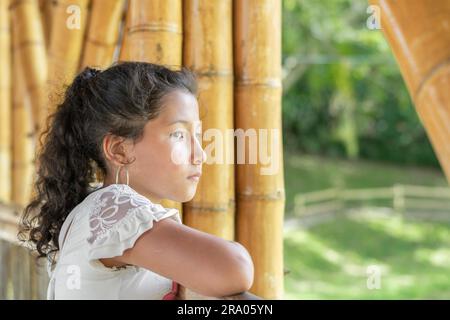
[198,155]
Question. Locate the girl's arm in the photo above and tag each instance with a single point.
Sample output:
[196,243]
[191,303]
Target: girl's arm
[204,263]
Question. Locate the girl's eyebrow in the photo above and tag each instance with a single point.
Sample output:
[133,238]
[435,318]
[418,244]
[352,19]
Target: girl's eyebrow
[182,121]
[179,120]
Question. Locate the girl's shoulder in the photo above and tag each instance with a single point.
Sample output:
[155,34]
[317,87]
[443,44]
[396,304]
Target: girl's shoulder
[118,216]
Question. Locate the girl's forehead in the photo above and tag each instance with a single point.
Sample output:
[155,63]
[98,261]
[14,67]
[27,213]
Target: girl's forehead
[179,107]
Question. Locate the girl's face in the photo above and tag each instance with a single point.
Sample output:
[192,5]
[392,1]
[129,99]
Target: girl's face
[169,152]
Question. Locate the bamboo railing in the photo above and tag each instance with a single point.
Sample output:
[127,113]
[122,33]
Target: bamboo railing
[418,32]
[47,42]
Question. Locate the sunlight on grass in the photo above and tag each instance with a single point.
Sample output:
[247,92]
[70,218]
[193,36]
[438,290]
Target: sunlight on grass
[330,261]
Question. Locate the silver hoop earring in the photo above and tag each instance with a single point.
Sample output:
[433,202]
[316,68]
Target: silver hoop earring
[126,172]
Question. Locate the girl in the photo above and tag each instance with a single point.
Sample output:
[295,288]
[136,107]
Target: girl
[139,124]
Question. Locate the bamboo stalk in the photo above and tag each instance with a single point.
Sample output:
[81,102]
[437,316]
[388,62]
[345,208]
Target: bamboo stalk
[103,33]
[68,25]
[208,52]
[260,197]
[5,103]
[22,128]
[153,32]
[418,33]
[46,7]
[31,46]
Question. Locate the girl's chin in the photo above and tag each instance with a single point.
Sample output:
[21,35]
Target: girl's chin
[186,196]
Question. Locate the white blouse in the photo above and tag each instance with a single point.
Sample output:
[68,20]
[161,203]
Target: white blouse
[106,223]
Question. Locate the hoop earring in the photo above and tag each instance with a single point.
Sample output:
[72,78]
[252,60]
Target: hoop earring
[117,174]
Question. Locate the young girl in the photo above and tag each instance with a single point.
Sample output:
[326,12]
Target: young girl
[139,124]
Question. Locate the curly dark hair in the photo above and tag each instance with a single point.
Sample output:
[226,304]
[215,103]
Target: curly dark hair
[119,100]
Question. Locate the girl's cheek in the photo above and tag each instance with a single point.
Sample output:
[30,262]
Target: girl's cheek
[180,154]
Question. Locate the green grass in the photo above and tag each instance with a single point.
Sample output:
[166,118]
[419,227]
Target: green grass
[329,261]
[305,173]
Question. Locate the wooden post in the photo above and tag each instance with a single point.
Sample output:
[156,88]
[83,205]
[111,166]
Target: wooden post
[103,34]
[5,103]
[419,36]
[260,194]
[208,52]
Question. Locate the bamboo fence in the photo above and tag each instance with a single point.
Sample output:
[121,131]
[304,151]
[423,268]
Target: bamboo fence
[400,198]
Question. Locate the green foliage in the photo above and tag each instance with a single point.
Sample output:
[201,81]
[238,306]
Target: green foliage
[344,95]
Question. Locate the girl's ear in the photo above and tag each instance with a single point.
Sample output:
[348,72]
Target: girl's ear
[117,150]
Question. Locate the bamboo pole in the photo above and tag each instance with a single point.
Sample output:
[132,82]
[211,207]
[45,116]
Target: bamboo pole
[260,197]
[22,126]
[68,25]
[418,32]
[207,50]
[5,103]
[46,7]
[103,34]
[153,33]
[31,46]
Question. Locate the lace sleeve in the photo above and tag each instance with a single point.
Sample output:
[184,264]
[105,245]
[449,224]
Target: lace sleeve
[119,216]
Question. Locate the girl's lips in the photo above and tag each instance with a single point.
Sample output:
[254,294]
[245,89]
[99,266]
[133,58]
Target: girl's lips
[195,177]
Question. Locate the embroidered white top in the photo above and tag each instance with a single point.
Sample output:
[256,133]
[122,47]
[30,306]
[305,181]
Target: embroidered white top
[106,223]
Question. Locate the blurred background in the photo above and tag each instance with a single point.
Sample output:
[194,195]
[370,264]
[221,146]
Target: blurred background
[363,184]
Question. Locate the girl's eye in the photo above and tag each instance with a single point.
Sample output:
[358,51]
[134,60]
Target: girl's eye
[178,134]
